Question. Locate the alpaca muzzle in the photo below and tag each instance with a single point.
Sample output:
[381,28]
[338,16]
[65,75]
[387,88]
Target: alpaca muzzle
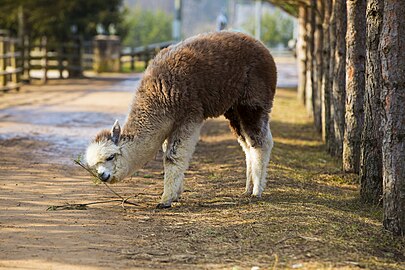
[104,176]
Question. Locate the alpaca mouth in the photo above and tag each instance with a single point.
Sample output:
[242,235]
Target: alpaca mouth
[112,180]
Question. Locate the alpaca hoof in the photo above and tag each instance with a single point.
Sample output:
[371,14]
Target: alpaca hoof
[177,199]
[255,198]
[163,206]
[246,194]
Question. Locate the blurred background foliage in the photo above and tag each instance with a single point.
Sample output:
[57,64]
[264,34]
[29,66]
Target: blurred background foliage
[59,19]
[277,29]
[146,26]
[141,22]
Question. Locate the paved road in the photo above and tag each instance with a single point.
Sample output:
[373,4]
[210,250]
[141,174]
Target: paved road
[67,113]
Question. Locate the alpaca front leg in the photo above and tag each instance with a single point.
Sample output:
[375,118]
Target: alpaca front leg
[180,147]
[173,182]
[249,178]
[259,160]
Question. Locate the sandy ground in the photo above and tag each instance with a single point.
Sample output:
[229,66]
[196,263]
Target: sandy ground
[43,128]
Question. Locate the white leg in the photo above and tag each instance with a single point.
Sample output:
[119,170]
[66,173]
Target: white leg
[164,146]
[269,147]
[260,157]
[249,183]
[179,150]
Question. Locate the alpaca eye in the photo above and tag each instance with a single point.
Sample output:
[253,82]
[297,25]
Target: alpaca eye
[110,157]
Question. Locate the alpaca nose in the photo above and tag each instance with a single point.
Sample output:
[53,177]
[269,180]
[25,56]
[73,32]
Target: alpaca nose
[103,176]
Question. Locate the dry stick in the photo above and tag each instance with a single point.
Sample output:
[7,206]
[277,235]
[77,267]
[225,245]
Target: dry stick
[77,206]
[77,161]
[123,200]
[82,206]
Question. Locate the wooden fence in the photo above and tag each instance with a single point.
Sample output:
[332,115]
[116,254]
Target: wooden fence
[87,55]
[142,53]
[44,60]
[10,67]
[65,60]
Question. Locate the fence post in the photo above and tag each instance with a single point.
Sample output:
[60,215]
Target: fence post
[26,59]
[60,60]
[146,57]
[3,65]
[132,59]
[13,63]
[44,50]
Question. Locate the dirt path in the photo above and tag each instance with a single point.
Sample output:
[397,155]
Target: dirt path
[309,217]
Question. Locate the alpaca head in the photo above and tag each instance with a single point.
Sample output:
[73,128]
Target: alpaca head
[104,156]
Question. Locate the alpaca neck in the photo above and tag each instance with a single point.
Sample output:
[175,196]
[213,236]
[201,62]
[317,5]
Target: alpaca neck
[143,133]
[138,149]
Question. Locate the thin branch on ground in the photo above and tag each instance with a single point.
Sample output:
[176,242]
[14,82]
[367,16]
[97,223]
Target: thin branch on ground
[83,206]
[80,206]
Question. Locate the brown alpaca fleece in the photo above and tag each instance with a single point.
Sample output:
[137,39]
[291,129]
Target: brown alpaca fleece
[222,73]
[205,76]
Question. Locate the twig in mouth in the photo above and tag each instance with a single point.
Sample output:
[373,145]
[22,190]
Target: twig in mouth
[78,162]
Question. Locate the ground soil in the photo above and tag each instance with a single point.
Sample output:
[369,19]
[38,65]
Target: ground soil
[310,216]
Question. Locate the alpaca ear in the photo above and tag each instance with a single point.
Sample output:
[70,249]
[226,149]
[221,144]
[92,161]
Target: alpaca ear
[116,132]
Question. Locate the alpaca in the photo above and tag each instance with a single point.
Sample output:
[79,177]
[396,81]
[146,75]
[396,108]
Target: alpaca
[213,74]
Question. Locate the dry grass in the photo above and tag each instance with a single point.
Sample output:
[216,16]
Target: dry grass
[310,216]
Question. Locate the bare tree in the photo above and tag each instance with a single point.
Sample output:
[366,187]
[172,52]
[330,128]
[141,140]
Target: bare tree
[318,47]
[392,53]
[325,86]
[302,51]
[339,77]
[331,142]
[309,87]
[355,83]
[371,156]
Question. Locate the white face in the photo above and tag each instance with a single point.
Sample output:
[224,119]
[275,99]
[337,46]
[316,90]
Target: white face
[104,157]
[106,160]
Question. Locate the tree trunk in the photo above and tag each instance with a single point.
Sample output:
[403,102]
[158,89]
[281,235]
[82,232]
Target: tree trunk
[302,52]
[355,83]
[318,46]
[309,87]
[371,156]
[325,87]
[392,53]
[331,143]
[339,78]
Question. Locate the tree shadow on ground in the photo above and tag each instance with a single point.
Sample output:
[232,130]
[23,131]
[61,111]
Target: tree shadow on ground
[310,210]
[309,215]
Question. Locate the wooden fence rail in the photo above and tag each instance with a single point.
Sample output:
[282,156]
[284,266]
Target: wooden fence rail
[9,67]
[87,55]
[142,53]
[44,60]
[65,58]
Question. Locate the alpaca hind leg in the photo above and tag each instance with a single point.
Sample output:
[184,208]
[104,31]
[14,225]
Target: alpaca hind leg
[256,131]
[235,125]
[180,147]
[260,157]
